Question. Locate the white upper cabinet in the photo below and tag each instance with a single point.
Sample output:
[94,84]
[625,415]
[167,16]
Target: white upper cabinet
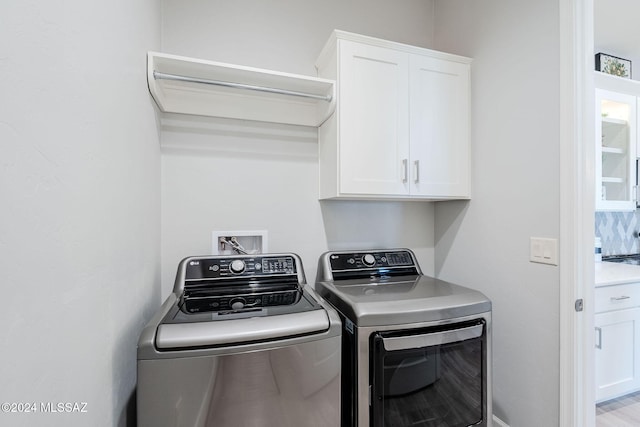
[374,118]
[616,142]
[439,133]
[401,127]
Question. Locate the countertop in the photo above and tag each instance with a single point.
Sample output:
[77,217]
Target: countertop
[612,273]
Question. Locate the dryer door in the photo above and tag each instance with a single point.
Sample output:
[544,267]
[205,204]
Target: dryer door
[429,377]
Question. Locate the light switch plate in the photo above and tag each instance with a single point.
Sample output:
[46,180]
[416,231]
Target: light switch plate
[543,250]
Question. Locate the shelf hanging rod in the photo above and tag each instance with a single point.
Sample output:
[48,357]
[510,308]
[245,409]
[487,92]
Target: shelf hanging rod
[164,76]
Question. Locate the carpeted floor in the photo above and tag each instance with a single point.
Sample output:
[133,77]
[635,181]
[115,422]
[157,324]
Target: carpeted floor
[621,412]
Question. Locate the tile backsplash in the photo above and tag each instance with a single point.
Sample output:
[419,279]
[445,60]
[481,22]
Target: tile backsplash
[619,232]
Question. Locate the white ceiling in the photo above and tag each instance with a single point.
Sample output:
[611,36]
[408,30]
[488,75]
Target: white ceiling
[617,30]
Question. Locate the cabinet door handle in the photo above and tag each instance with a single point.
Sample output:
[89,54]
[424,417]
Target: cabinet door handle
[621,298]
[405,172]
[416,171]
[599,343]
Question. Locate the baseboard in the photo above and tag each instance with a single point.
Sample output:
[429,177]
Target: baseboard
[497,422]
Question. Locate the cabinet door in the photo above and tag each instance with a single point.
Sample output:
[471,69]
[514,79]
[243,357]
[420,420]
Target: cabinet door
[374,120]
[617,359]
[439,117]
[615,151]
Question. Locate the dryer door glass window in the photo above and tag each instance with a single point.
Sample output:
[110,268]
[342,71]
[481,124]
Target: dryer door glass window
[429,377]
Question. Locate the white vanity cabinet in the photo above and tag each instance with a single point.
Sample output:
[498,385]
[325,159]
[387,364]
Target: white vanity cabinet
[617,340]
[401,126]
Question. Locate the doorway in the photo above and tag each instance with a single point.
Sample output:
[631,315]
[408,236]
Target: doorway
[578,46]
[615,32]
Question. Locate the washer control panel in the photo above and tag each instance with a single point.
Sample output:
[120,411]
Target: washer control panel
[376,259]
[245,266]
[239,282]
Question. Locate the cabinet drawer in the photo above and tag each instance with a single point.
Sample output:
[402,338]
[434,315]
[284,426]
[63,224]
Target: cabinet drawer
[617,297]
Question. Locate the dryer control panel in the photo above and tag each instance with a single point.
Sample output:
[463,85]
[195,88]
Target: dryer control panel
[350,265]
[355,260]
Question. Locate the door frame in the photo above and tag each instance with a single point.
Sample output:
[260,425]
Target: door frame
[577,209]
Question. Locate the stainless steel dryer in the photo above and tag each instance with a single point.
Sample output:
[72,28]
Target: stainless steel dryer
[416,350]
[241,341]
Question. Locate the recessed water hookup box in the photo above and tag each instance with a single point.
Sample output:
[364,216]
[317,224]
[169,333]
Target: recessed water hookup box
[238,242]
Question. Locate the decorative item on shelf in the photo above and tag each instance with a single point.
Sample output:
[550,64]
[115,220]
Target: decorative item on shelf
[613,65]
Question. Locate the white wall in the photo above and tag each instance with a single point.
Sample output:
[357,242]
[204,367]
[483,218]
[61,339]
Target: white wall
[485,243]
[79,217]
[285,35]
[233,175]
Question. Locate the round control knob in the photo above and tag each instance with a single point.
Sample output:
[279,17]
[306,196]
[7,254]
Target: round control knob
[237,304]
[368,260]
[237,266]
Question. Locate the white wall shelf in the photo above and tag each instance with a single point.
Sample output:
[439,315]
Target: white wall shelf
[614,121]
[612,179]
[613,150]
[199,87]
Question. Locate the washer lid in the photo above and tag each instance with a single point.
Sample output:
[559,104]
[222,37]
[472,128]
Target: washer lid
[242,330]
[402,300]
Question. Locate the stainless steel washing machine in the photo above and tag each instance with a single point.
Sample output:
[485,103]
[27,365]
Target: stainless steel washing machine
[416,350]
[241,341]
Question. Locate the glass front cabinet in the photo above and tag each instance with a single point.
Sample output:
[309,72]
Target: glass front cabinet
[615,151]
